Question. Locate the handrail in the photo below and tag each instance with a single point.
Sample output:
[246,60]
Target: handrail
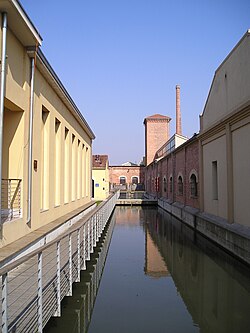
[70,230]
[50,281]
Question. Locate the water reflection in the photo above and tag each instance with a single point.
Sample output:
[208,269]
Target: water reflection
[155,265]
[159,276]
[214,286]
[77,309]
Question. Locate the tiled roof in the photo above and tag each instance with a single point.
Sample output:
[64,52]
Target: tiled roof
[158,116]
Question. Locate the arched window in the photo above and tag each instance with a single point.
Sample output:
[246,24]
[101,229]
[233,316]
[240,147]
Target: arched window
[134,180]
[164,184]
[180,185]
[193,186]
[122,180]
[171,184]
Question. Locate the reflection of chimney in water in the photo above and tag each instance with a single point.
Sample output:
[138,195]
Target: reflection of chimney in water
[178,111]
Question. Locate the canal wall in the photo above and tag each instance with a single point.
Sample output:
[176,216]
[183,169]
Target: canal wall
[234,238]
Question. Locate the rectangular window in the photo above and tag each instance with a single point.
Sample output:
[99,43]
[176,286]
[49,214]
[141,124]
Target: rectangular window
[57,161]
[79,171]
[66,165]
[87,172]
[73,170]
[215,180]
[83,171]
[45,160]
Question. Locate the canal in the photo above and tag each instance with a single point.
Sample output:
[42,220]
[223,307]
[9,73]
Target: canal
[152,273]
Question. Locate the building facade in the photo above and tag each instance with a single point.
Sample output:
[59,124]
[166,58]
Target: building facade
[156,134]
[174,177]
[127,177]
[46,143]
[100,177]
[205,180]
[224,139]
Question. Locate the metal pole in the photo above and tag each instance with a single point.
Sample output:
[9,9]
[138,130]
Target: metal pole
[78,256]
[92,234]
[84,248]
[2,94]
[40,292]
[58,278]
[30,138]
[70,266]
[88,235]
[4,304]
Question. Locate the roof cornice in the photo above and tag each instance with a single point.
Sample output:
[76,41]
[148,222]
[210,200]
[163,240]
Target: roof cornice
[46,69]
[20,23]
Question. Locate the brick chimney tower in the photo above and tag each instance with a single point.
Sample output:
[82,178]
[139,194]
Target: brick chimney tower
[156,134]
[178,111]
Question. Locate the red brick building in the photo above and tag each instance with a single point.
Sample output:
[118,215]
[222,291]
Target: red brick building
[172,166]
[175,176]
[156,134]
[127,175]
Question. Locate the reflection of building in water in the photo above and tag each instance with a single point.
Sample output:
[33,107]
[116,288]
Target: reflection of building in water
[154,263]
[214,286]
[128,216]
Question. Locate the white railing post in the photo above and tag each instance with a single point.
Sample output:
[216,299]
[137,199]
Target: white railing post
[92,234]
[98,225]
[4,303]
[84,248]
[70,266]
[103,218]
[78,255]
[40,292]
[95,222]
[88,256]
[58,279]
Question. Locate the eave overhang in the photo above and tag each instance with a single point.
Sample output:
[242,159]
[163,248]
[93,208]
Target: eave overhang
[20,23]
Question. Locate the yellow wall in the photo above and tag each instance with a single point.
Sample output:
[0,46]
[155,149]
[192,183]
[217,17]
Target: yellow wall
[62,181]
[101,183]
[241,168]
[214,150]
[225,137]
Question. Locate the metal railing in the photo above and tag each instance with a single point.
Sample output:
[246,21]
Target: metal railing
[80,307]
[132,195]
[34,286]
[11,199]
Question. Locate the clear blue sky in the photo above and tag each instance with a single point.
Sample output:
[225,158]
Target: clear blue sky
[121,59]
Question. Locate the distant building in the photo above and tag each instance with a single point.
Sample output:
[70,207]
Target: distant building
[129,164]
[156,134]
[46,143]
[127,177]
[173,172]
[100,176]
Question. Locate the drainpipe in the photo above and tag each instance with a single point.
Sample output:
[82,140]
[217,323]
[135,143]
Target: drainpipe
[2,94]
[30,138]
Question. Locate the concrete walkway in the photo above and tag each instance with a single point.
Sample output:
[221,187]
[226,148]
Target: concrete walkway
[37,237]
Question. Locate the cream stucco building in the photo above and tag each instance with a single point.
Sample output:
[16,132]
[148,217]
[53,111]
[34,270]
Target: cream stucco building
[100,175]
[225,138]
[46,142]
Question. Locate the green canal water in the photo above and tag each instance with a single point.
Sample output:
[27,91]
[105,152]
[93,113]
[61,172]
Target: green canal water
[159,276]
